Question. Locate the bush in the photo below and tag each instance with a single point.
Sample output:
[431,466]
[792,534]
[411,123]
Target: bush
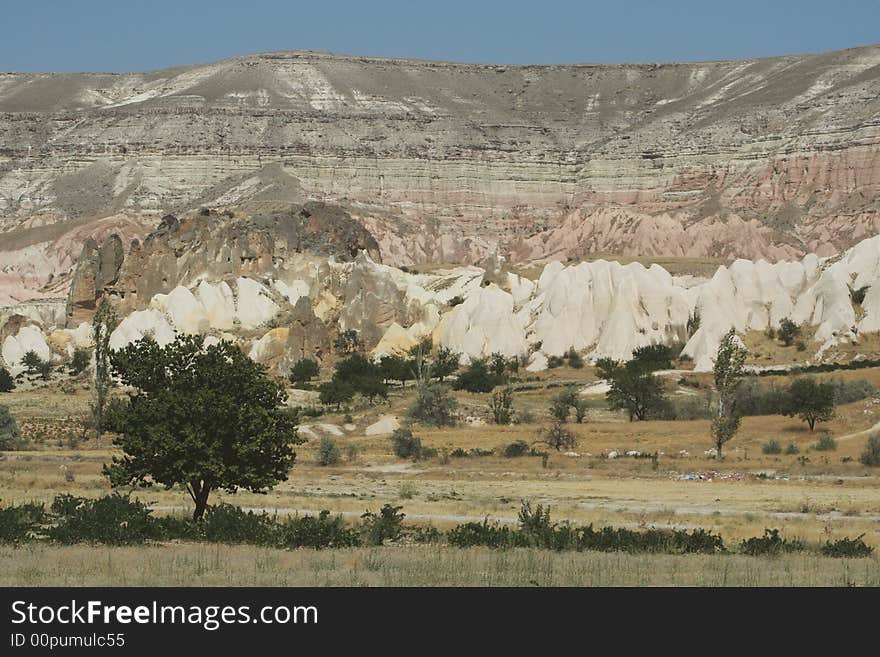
[434,405]
[846,392]
[792,449]
[80,361]
[555,361]
[771,543]
[825,444]
[321,531]
[328,452]
[386,525]
[110,520]
[575,360]
[848,548]
[478,378]
[871,455]
[502,406]
[516,449]
[558,437]
[405,445]
[654,357]
[771,447]
[7,383]
[788,331]
[225,523]
[9,436]
[32,361]
[20,524]
[303,370]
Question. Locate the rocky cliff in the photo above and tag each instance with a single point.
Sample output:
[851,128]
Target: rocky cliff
[444,162]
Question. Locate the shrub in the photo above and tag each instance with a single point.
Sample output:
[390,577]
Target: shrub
[328,452]
[225,523]
[575,360]
[792,449]
[405,445]
[477,377]
[871,454]
[303,370]
[321,531]
[771,447]
[80,361]
[434,405]
[825,444]
[847,548]
[473,534]
[9,436]
[555,361]
[386,525]
[558,437]
[7,383]
[846,392]
[348,342]
[788,331]
[32,361]
[19,524]
[771,543]
[516,449]
[523,416]
[654,357]
[114,415]
[110,520]
[502,406]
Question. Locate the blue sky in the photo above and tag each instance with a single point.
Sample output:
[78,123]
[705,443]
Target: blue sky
[121,35]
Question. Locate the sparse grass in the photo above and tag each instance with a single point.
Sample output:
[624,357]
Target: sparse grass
[226,565]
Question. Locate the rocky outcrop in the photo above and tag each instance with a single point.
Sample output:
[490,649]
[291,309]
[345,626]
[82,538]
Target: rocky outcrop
[770,158]
[98,268]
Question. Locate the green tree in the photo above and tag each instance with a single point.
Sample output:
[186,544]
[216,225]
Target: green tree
[654,357]
[303,371]
[32,361]
[693,323]
[810,400]
[8,429]
[79,362]
[728,372]
[558,436]
[477,377]
[363,375]
[502,406]
[871,454]
[328,452]
[632,388]
[348,342]
[445,363]
[336,392]
[788,331]
[45,370]
[207,418]
[397,368]
[434,405]
[103,325]
[7,383]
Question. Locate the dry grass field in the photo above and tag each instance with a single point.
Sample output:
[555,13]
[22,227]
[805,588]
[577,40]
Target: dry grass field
[813,495]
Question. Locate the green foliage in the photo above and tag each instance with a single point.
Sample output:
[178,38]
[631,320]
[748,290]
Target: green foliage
[387,525]
[348,342]
[115,412]
[32,361]
[9,435]
[20,524]
[477,377]
[847,548]
[575,360]
[501,406]
[321,531]
[792,449]
[555,361]
[80,361]
[336,392]
[396,368]
[825,444]
[109,520]
[516,449]
[7,383]
[693,323]
[405,445]
[771,543]
[771,447]
[871,454]
[558,437]
[788,331]
[445,363]
[225,523]
[857,295]
[204,417]
[434,406]
[363,375]
[654,357]
[632,388]
[728,372]
[103,325]
[303,371]
[328,452]
[810,400]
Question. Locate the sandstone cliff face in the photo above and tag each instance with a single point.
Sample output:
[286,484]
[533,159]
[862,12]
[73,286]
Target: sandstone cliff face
[447,162]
